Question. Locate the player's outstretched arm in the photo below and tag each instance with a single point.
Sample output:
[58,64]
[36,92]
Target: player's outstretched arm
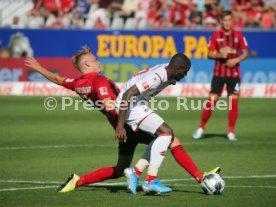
[120,129]
[35,65]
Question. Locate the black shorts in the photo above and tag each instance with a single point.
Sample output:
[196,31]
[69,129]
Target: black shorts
[232,85]
[134,138]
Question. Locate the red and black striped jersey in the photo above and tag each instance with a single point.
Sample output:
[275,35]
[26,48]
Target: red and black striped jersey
[236,42]
[95,87]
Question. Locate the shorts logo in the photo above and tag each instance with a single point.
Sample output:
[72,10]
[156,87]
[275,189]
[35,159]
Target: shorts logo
[163,153]
[145,85]
[103,90]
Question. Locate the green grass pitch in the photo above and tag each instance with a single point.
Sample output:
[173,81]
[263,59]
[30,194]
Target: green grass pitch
[39,149]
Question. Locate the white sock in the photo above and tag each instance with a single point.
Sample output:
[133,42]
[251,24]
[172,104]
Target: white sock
[158,153]
[141,164]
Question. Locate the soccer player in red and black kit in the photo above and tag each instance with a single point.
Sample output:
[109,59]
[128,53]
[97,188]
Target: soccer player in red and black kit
[93,86]
[224,47]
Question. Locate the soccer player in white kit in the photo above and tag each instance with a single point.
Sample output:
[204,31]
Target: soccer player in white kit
[132,109]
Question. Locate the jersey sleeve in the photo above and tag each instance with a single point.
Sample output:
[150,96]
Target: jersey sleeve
[212,45]
[150,82]
[103,89]
[69,83]
[243,42]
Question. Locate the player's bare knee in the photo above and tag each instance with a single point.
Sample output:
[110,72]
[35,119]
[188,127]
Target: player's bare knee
[233,96]
[175,142]
[213,97]
[164,129]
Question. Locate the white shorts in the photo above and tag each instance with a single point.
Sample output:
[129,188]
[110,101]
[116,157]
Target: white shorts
[142,117]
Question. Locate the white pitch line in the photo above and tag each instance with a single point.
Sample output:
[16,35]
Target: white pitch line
[55,147]
[114,145]
[163,180]
[27,188]
[226,177]
[124,183]
[232,186]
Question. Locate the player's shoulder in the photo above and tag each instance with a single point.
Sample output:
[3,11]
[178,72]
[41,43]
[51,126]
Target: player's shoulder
[217,33]
[159,67]
[160,71]
[237,33]
[101,79]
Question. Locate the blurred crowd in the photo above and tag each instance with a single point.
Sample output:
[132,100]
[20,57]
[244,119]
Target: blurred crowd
[146,14]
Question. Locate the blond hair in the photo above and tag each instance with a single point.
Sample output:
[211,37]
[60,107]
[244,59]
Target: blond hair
[76,57]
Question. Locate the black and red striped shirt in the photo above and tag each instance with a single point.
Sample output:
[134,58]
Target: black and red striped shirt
[236,42]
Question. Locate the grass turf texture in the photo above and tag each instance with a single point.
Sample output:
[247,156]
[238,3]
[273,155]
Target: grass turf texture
[41,145]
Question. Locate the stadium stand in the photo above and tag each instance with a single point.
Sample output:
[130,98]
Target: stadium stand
[135,14]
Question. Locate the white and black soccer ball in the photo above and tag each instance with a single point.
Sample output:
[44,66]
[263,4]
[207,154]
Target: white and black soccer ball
[213,184]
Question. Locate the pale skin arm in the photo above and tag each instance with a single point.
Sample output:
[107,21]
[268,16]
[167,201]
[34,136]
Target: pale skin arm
[222,54]
[214,54]
[234,61]
[120,129]
[35,65]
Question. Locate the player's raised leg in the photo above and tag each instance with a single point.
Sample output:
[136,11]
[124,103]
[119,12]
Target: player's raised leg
[184,160]
[74,181]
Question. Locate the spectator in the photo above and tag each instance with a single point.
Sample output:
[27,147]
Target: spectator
[17,23]
[35,20]
[67,5]
[52,6]
[253,16]
[100,17]
[178,12]
[81,8]
[37,5]
[195,18]
[268,18]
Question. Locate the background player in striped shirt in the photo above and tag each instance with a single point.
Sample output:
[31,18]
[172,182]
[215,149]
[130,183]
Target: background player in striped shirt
[224,47]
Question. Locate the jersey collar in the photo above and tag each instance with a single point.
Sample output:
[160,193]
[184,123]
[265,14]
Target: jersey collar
[90,74]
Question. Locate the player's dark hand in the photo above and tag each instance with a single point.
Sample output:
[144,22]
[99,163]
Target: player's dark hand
[121,134]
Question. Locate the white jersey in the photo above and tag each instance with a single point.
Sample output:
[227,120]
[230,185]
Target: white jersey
[149,82]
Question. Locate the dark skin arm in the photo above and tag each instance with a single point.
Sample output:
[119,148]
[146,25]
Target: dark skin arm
[120,129]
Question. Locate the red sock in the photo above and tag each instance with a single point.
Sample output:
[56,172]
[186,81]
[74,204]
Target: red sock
[233,115]
[96,176]
[186,162]
[136,171]
[150,178]
[207,112]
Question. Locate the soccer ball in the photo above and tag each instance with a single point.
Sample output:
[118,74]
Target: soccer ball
[213,184]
